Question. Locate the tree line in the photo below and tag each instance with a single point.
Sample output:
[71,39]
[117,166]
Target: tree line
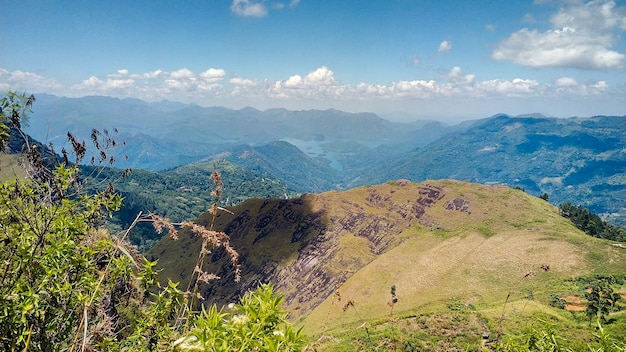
[591,223]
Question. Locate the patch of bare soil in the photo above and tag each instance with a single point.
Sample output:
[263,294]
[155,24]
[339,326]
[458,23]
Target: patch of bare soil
[574,303]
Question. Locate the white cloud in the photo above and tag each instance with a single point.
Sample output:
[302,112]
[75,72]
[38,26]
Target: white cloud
[455,72]
[415,88]
[94,84]
[320,88]
[153,74]
[294,81]
[249,8]
[26,81]
[119,73]
[445,46]
[183,73]
[213,75]
[600,86]
[511,88]
[119,83]
[90,83]
[243,82]
[566,82]
[582,36]
[294,3]
[321,76]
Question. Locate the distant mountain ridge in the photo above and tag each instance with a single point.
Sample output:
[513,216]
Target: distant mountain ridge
[192,132]
[576,159]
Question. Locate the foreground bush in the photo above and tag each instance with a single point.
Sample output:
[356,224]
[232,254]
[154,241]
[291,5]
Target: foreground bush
[68,285]
[255,324]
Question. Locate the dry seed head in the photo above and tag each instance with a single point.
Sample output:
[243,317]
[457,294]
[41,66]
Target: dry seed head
[206,277]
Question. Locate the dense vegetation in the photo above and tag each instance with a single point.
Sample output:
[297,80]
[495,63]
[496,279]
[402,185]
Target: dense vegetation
[591,223]
[67,284]
[179,194]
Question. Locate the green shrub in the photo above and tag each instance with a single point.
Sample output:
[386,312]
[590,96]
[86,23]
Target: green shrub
[255,324]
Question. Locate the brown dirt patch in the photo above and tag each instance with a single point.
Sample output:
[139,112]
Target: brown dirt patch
[574,303]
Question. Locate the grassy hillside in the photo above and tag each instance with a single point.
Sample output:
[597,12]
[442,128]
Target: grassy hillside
[578,159]
[10,167]
[436,242]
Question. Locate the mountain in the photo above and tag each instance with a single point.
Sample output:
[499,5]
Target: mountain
[578,159]
[181,193]
[285,161]
[435,241]
[191,132]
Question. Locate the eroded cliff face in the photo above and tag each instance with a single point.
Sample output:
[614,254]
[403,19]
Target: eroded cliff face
[308,247]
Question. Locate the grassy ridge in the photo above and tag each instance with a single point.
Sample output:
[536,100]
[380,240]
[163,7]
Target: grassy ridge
[476,256]
[437,242]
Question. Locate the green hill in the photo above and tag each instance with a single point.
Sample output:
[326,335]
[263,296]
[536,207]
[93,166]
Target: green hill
[182,193]
[434,241]
[581,160]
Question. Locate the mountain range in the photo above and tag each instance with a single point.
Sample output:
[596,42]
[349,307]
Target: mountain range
[582,160]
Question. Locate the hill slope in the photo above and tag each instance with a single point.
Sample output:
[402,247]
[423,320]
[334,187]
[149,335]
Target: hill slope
[181,193]
[283,160]
[433,240]
[582,160]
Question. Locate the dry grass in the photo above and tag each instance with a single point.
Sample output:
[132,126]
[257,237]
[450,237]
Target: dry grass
[459,260]
[492,247]
[10,167]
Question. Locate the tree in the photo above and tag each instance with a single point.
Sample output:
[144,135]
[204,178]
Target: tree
[601,298]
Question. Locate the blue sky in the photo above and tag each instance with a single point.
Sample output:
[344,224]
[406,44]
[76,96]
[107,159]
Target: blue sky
[446,60]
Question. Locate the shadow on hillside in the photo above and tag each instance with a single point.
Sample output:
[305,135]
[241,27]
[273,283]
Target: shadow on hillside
[266,233]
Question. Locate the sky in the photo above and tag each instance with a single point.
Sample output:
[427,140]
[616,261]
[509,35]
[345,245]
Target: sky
[402,59]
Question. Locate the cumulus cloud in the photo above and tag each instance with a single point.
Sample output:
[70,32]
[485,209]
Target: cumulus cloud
[153,74]
[566,82]
[20,80]
[249,8]
[456,75]
[516,87]
[183,73]
[581,36]
[95,85]
[237,81]
[321,76]
[294,81]
[213,75]
[444,47]
[317,88]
